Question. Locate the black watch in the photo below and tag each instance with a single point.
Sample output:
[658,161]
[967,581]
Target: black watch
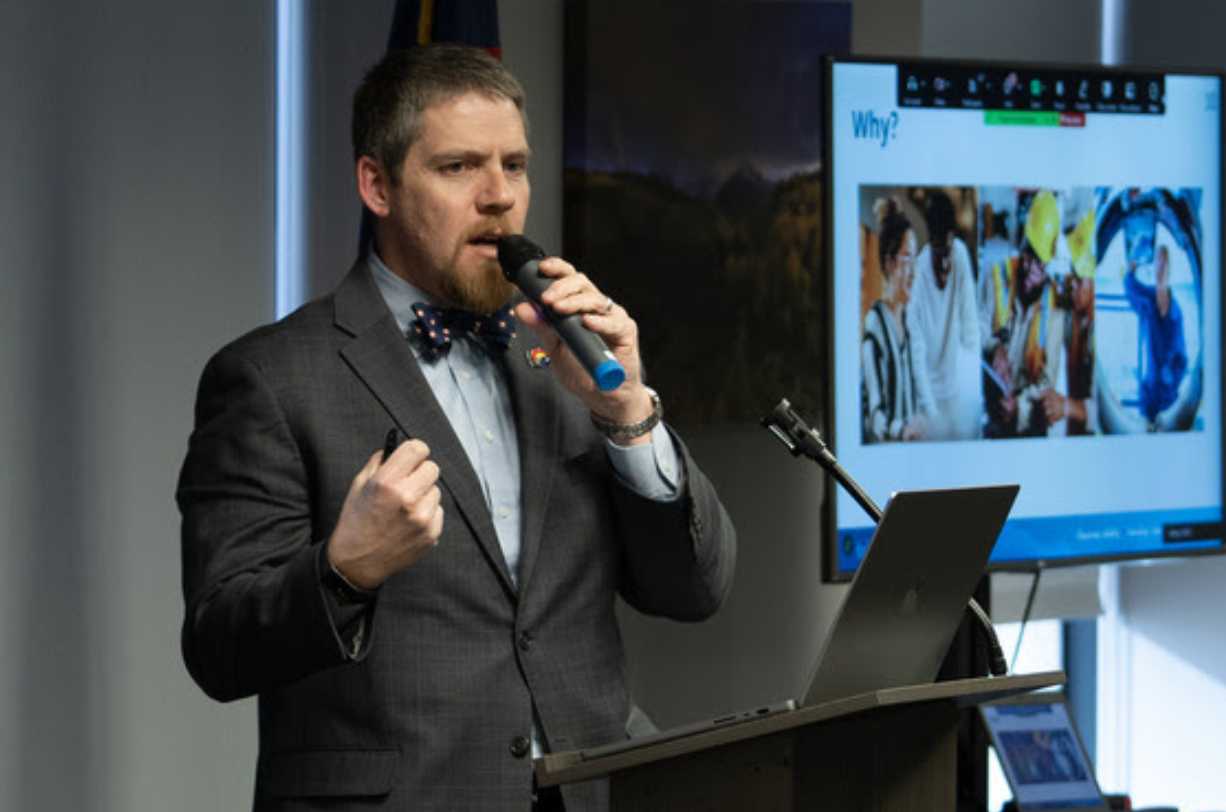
[618,431]
[343,590]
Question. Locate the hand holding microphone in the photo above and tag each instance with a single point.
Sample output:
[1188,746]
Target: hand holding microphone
[520,260]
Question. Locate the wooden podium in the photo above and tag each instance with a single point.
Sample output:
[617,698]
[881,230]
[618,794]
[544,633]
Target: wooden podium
[893,750]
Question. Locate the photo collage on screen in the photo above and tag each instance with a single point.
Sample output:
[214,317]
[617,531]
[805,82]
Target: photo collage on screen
[995,312]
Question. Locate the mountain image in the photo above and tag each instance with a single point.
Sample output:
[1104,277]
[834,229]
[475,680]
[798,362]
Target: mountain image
[692,190]
[726,288]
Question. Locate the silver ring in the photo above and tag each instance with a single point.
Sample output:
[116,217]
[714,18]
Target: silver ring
[608,305]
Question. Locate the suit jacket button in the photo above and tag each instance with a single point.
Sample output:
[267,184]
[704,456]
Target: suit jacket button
[520,746]
[525,641]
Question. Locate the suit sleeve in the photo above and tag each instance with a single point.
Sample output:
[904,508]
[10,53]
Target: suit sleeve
[679,555]
[257,615]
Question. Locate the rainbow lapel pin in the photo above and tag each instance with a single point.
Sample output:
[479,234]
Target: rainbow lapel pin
[538,358]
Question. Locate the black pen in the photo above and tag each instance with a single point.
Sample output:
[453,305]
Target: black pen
[390,443]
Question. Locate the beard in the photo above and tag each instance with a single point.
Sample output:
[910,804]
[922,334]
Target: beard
[479,288]
[1033,278]
[942,264]
[1031,290]
[481,291]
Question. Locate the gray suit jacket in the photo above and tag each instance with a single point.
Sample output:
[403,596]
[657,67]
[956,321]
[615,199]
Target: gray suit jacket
[431,710]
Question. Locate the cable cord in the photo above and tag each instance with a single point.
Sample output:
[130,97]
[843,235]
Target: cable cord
[1021,632]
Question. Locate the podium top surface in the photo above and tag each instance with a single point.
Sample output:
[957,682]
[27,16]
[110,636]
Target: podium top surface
[561,768]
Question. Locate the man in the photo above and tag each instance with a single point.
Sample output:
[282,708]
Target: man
[945,326]
[1165,354]
[1026,357]
[419,621]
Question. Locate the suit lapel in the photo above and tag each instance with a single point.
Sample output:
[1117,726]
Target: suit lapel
[381,358]
[535,396]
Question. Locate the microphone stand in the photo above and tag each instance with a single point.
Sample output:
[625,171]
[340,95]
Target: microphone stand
[800,438]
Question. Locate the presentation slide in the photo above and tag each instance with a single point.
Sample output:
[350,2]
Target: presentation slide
[1025,282]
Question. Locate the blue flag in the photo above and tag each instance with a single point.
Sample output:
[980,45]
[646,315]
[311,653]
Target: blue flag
[469,22]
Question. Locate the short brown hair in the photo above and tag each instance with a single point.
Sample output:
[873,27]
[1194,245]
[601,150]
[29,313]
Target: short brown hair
[397,90]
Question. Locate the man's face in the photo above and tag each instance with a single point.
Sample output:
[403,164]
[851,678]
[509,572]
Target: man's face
[463,184]
[941,248]
[1034,276]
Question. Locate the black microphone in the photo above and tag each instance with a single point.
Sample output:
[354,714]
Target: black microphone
[520,259]
[800,438]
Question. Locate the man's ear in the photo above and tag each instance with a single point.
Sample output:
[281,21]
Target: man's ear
[374,186]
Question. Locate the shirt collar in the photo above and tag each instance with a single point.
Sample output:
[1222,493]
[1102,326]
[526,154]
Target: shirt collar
[399,293]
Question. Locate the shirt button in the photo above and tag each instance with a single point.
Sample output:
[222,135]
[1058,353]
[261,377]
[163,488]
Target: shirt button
[503,511]
[520,746]
[465,374]
[489,435]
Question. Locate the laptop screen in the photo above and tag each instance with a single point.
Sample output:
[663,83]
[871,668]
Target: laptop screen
[1042,755]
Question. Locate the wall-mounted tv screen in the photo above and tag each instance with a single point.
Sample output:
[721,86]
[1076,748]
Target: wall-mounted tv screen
[1024,285]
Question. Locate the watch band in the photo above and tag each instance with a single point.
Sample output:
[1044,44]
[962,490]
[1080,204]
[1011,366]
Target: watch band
[345,592]
[619,431]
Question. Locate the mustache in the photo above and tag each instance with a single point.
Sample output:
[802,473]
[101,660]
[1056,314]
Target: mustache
[492,229]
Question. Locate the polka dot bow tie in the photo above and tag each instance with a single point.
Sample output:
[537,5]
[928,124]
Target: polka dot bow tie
[435,326]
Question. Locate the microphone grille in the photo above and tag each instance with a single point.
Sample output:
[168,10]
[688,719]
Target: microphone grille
[515,251]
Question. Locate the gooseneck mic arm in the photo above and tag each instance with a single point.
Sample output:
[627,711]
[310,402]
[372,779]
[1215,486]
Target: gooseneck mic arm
[800,438]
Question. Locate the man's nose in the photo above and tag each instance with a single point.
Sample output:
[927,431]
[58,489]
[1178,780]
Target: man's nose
[496,192]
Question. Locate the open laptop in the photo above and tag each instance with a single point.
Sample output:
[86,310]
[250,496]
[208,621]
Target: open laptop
[1042,756]
[903,607]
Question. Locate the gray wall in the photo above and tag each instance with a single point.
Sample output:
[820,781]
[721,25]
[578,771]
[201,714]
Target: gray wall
[1039,30]
[136,236]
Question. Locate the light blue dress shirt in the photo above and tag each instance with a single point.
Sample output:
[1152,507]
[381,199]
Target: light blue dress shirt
[472,391]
